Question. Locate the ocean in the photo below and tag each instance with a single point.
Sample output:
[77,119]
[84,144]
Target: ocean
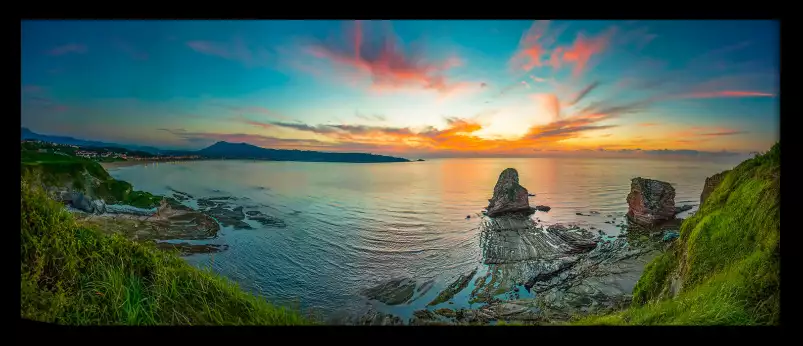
[353,226]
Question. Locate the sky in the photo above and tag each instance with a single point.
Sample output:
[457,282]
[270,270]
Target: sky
[411,88]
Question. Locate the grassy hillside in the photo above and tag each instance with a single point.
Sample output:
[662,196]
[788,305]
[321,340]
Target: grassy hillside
[725,267]
[72,274]
[83,175]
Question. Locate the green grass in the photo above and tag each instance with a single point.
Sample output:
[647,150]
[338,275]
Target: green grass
[72,274]
[727,259]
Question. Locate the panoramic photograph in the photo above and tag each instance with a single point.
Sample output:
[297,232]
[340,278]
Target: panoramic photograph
[400,173]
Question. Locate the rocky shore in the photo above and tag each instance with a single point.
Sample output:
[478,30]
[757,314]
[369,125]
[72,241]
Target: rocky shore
[536,273]
[172,224]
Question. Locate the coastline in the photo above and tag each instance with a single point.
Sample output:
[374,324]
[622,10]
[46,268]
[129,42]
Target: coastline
[127,163]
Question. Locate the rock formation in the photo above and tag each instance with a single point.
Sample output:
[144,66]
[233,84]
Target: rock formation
[710,184]
[650,202]
[509,196]
[84,203]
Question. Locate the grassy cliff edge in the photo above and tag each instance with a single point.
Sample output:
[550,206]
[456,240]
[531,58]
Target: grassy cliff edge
[72,274]
[725,267]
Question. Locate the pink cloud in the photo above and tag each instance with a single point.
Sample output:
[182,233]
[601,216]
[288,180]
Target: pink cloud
[584,48]
[384,59]
[68,49]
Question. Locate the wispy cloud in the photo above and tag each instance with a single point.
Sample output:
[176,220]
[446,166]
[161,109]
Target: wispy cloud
[725,93]
[72,48]
[130,50]
[724,133]
[236,50]
[370,117]
[580,95]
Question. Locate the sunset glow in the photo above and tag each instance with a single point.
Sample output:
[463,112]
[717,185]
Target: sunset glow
[409,88]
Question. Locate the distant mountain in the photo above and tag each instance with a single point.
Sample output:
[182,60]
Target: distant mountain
[225,150]
[248,151]
[28,134]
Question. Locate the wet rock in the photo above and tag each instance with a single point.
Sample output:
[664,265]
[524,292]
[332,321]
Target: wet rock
[425,287]
[650,202]
[668,236]
[424,314]
[375,318]
[579,214]
[446,312]
[683,208]
[265,220]
[181,196]
[176,222]
[710,184]
[543,208]
[188,249]
[458,285]
[392,292]
[594,212]
[508,195]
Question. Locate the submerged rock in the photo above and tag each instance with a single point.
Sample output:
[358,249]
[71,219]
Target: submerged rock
[711,183]
[508,196]
[650,202]
[392,292]
[188,249]
[542,208]
[265,220]
[683,208]
[458,285]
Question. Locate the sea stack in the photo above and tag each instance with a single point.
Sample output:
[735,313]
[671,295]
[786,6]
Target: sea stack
[650,202]
[509,196]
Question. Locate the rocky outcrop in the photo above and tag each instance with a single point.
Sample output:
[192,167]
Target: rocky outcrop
[651,202]
[84,203]
[710,184]
[509,196]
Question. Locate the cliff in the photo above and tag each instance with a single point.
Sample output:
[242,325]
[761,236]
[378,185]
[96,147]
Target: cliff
[65,174]
[725,267]
[73,274]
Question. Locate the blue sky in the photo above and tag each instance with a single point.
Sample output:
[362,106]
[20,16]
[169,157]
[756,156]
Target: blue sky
[410,88]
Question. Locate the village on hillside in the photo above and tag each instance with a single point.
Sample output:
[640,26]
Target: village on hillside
[99,154]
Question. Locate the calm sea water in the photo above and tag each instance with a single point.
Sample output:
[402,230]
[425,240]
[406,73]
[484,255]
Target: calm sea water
[352,226]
